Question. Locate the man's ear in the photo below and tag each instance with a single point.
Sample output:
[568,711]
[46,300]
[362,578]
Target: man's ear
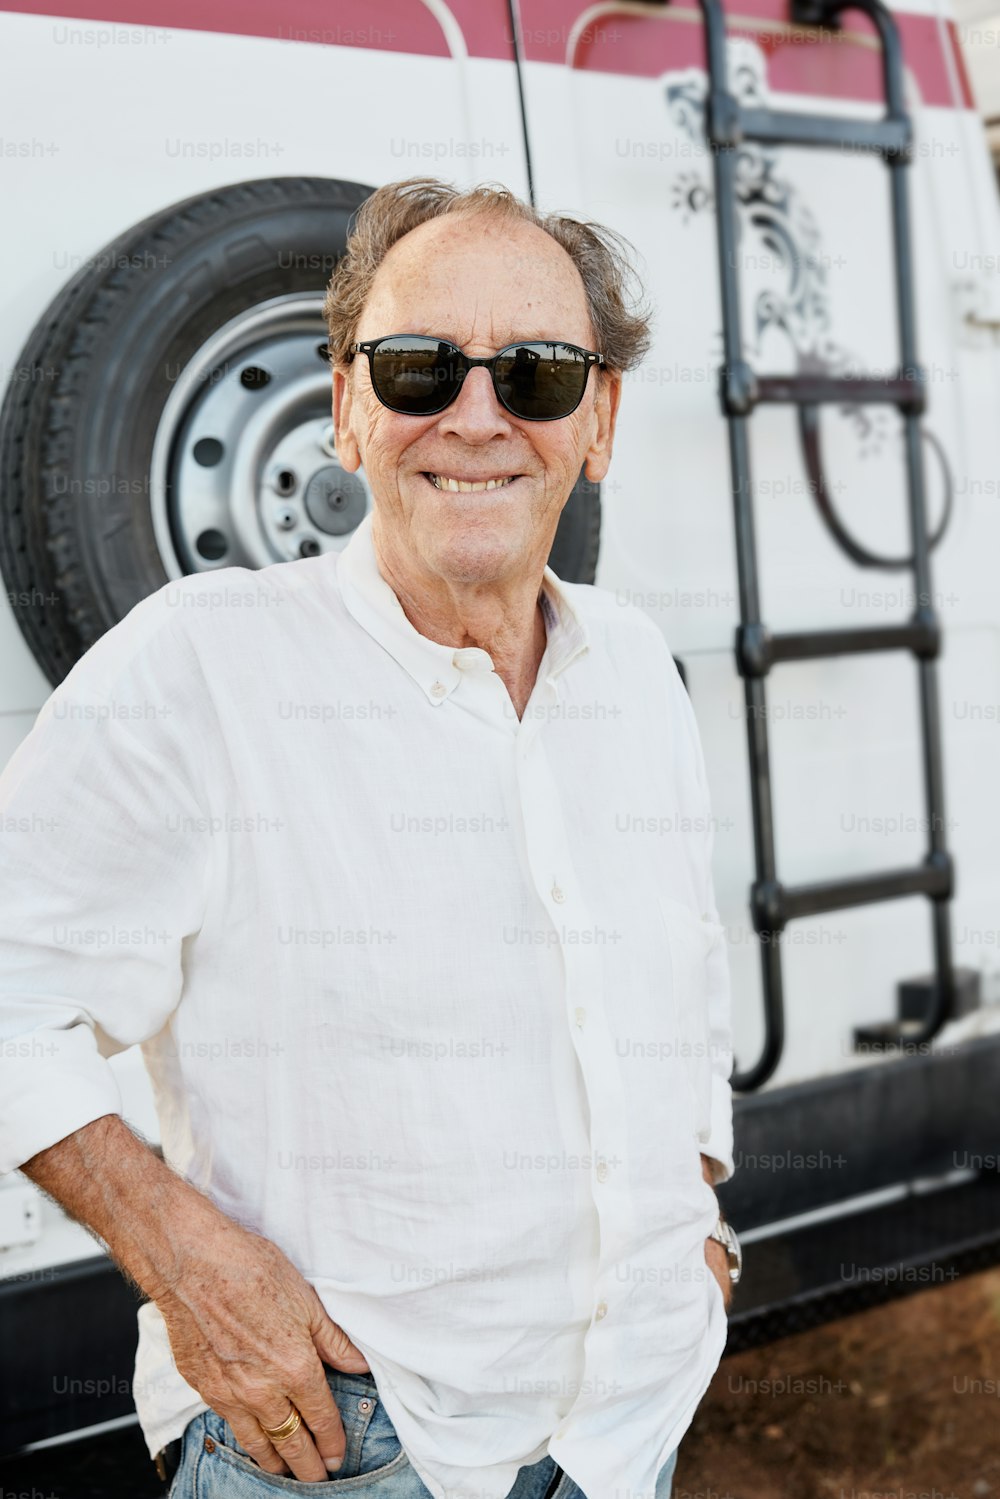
[598,456]
[348,453]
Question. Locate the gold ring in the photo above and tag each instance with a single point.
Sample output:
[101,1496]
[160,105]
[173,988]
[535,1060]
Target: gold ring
[287,1429]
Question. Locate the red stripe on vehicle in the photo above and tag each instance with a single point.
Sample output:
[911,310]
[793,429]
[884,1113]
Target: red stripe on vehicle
[968,97]
[619,42]
[404,26]
[486,27]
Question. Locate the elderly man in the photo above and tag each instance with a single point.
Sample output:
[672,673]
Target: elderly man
[438,1036]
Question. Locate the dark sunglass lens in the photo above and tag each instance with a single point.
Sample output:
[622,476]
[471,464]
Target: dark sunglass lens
[542,381]
[414,375]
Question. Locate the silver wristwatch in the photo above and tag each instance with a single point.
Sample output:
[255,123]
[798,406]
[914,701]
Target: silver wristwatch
[723,1234]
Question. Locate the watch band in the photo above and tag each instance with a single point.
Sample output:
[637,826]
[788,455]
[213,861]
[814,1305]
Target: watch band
[724,1234]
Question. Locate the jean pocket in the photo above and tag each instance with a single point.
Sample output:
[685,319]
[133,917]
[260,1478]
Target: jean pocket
[373,1452]
[692,939]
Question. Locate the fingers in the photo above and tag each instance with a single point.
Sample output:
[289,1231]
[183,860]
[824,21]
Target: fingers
[318,1409]
[334,1346]
[246,1429]
[298,1452]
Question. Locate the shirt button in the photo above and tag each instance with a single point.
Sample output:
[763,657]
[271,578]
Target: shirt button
[438,690]
[579,1015]
[557,895]
[602,1171]
[471,658]
[364,1406]
[601,1310]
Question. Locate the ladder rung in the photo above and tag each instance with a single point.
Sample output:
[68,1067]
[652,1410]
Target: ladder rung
[790,128]
[815,390]
[741,389]
[757,650]
[807,645]
[863,890]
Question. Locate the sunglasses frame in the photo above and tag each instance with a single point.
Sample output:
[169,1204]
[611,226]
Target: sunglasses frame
[369,346]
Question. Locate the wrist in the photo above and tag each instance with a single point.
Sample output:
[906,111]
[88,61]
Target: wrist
[712,1171]
[155,1219]
[189,1230]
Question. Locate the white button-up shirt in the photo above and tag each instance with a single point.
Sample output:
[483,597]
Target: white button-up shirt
[435,998]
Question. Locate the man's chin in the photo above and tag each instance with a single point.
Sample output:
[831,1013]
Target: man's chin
[474,559]
[472,551]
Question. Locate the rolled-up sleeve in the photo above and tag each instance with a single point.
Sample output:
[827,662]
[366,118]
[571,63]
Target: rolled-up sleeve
[103,875]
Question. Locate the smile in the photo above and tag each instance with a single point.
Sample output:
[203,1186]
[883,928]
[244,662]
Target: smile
[469,486]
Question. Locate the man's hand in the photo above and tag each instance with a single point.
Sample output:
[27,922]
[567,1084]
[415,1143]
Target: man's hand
[247,1331]
[716,1257]
[251,1335]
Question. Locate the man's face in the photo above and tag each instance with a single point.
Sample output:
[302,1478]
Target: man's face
[482,284]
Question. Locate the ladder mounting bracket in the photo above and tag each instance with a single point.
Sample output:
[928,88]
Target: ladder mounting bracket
[814,13]
[738,388]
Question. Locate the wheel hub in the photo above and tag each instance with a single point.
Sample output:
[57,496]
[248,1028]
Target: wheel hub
[335,500]
[244,469]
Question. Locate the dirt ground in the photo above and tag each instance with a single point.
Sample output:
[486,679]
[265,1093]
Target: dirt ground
[901,1402]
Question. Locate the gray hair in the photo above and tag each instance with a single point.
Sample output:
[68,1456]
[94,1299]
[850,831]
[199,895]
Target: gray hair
[620,320]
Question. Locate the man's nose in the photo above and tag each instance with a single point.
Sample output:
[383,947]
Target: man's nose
[475,413]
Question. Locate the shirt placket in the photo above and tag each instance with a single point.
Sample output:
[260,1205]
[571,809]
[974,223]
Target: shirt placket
[584,1006]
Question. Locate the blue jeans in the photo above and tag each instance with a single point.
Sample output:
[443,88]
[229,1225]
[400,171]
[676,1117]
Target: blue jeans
[215,1466]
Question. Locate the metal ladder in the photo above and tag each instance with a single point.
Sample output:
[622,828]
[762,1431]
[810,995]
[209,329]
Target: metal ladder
[728,124]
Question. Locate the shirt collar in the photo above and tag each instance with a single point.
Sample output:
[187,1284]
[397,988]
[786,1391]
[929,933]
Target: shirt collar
[439,668]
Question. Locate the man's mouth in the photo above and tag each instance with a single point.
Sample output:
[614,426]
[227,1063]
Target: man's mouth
[469,486]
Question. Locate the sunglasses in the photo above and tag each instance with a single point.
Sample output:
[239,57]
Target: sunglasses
[419,376]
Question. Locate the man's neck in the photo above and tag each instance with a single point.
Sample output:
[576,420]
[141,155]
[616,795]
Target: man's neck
[509,625]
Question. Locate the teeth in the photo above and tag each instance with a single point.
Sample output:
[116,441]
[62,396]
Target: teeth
[463,486]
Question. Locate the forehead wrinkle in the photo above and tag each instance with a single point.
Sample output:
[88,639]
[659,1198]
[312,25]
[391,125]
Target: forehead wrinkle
[460,329]
[495,343]
[416,276]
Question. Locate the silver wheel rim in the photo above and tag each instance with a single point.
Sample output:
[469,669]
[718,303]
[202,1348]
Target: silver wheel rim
[244,472]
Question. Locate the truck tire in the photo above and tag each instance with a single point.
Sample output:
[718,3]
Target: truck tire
[170,414]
